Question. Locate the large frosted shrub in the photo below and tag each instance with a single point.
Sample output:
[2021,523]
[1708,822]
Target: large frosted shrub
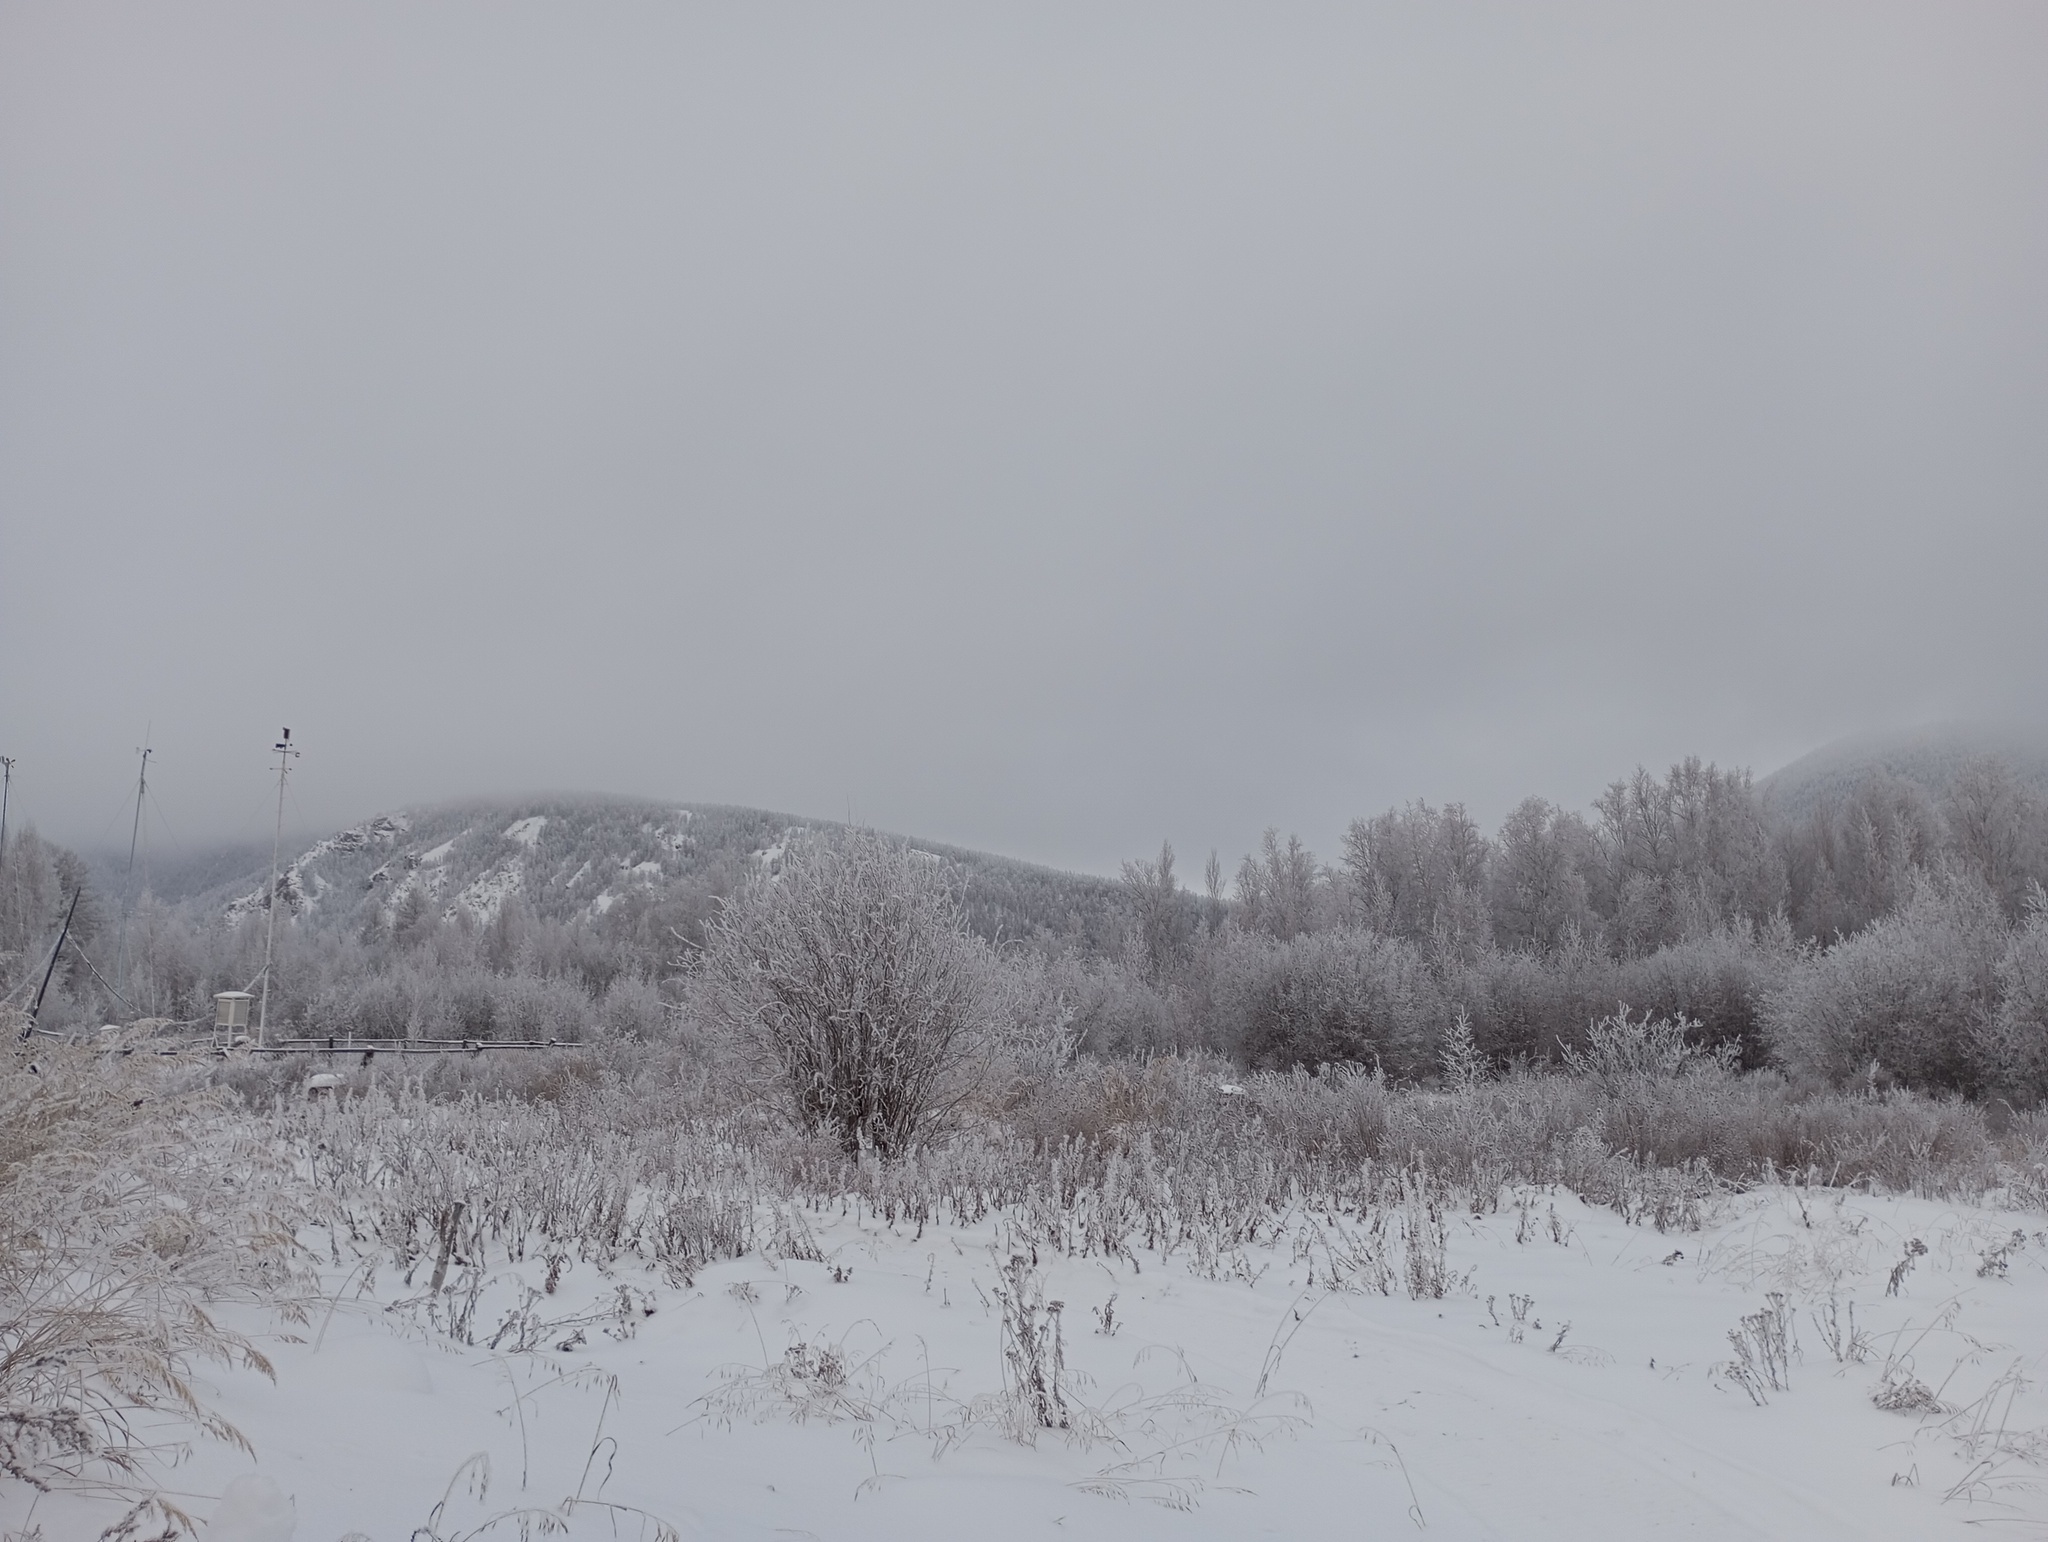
[1622,1052]
[1116,1011]
[853,983]
[632,1008]
[1529,1006]
[1720,980]
[1333,997]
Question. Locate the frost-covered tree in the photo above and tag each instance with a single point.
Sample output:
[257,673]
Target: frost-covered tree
[1994,829]
[36,886]
[1419,873]
[1162,920]
[1538,877]
[1280,889]
[1684,855]
[2019,1036]
[1851,862]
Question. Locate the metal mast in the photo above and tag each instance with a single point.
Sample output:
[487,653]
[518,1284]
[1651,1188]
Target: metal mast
[6,781]
[128,897]
[141,791]
[285,756]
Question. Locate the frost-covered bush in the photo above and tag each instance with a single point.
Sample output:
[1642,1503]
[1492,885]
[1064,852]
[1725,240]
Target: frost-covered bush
[851,977]
[632,1008]
[1032,1030]
[1914,996]
[1331,997]
[369,1006]
[1524,1004]
[1113,1103]
[1116,1010]
[1719,980]
[1528,1005]
[1621,1052]
[413,999]
[540,1007]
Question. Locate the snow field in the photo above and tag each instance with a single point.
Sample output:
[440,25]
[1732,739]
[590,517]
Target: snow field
[1574,1383]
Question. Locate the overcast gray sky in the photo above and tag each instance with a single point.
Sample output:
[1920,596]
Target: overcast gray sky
[1043,427]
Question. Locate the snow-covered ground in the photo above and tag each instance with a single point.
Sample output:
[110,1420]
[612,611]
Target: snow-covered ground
[1573,1385]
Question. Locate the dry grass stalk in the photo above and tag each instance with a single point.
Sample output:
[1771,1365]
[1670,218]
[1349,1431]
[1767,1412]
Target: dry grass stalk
[128,1201]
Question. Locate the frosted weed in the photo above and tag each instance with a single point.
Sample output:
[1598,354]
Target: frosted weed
[1765,1343]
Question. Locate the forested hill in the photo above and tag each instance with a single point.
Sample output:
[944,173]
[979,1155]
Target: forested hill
[1928,758]
[622,868]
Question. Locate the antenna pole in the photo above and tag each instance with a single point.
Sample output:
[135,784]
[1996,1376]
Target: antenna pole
[6,782]
[128,886]
[285,755]
[141,788]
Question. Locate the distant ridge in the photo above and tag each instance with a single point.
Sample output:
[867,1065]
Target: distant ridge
[610,864]
[1929,756]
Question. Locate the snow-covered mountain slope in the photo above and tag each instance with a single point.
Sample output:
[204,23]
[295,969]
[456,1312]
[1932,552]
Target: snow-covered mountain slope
[590,861]
[1929,757]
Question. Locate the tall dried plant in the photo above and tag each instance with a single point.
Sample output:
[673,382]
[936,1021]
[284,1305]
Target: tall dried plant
[128,1203]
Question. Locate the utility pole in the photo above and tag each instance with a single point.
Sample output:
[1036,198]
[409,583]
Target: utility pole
[6,781]
[285,755]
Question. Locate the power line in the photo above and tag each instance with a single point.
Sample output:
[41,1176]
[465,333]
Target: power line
[163,820]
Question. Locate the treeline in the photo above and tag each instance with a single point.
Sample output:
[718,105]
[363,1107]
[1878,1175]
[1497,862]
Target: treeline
[1884,935]
[432,977]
